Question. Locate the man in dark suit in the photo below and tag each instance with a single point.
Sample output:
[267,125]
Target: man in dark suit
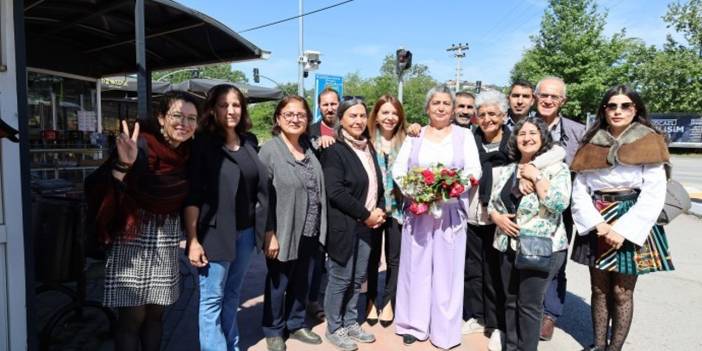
[550,97]
[328,102]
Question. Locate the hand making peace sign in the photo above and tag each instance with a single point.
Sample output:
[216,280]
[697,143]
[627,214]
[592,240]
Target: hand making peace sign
[127,145]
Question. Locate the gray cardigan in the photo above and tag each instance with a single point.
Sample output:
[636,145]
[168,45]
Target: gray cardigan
[288,196]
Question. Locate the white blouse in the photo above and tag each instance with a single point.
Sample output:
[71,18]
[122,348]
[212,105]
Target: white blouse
[432,152]
[636,224]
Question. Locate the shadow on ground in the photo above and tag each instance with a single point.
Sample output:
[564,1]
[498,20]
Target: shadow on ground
[572,321]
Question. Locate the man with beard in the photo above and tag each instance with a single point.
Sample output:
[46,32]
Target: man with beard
[550,97]
[328,102]
[521,99]
[464,115]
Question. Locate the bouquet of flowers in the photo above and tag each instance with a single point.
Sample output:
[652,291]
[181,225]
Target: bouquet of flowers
[428,186]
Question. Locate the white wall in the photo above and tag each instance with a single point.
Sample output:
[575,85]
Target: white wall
[13,318]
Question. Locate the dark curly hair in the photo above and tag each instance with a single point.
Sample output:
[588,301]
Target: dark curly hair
[546,139]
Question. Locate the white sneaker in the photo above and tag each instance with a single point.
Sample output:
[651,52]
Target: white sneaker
[472,326]
[497,339]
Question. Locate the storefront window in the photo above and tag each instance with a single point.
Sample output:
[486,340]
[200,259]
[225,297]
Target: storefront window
[54,103]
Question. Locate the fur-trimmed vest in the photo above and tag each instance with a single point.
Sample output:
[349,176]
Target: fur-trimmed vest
[637,145]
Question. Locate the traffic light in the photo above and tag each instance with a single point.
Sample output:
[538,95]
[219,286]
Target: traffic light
[256,77]
[477,86]
[403,60]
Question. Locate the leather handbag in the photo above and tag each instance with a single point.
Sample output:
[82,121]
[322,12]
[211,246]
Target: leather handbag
[534,253]
[677,201]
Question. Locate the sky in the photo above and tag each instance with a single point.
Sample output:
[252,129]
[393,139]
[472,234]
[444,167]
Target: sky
[356,36]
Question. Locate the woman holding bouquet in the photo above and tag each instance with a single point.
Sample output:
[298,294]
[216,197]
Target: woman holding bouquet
[525,222]
[386,127]
[354,186]
[430,283]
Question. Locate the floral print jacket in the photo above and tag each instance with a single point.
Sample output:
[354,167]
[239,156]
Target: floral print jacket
[535,217]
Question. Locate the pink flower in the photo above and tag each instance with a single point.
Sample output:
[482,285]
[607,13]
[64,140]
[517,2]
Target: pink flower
[418,208]
[474,181]
[456,190]
[428,177]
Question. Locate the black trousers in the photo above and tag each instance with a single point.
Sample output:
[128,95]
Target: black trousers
[285,293]
[483,295]
[524,292]
[392,230]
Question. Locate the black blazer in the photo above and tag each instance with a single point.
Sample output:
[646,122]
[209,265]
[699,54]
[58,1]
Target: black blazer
[214,178]
[347,185]
[315,130]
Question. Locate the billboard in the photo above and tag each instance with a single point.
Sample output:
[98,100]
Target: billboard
[322,81]
[683,129]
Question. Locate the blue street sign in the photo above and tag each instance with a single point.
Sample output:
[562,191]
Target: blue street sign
[321,81]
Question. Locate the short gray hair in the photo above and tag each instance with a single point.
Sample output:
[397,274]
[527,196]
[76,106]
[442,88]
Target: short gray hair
[439,89]
[554,78]
[492,98]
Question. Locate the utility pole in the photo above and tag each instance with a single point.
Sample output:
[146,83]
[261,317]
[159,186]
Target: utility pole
[459,54]
[300,58]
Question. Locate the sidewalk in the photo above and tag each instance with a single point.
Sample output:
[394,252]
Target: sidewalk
[252,337]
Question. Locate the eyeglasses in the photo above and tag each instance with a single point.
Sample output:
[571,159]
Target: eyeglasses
[543,96]
[289,116]
[625,106]
[182,119]
[489,114]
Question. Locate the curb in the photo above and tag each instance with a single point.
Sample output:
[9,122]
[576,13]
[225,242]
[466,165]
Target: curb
[696,208]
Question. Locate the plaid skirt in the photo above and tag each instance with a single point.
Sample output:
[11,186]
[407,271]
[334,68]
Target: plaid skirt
[144,270]
[593,251]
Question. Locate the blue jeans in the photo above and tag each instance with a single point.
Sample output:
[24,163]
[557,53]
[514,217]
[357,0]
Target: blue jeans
[220,287]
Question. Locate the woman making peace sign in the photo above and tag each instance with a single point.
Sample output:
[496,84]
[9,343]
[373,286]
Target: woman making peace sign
[139,218]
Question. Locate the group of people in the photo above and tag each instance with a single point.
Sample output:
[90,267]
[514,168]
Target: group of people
[327,199]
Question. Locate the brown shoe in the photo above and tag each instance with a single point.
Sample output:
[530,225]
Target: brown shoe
[547,325]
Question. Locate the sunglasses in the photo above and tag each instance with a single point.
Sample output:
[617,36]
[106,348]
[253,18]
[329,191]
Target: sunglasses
[624,106]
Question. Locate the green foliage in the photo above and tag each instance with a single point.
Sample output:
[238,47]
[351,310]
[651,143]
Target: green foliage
[261,115]
[571,45]
[218,71]
[687,19]
[417,82]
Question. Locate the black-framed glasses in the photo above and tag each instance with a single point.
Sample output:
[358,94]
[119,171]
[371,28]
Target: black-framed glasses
[625,106]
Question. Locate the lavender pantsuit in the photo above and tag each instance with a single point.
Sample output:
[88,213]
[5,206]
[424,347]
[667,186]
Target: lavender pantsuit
[430,285]
[432,257]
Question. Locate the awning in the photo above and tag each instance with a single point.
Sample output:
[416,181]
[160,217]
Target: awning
[200,86]
[95,38]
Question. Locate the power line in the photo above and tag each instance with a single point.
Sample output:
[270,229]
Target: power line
[294,17]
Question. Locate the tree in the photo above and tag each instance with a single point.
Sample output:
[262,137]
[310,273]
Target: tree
[219,71]
[417,82]
[687,19]
[571,45]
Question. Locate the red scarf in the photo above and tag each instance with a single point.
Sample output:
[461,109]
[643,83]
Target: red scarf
[158,190]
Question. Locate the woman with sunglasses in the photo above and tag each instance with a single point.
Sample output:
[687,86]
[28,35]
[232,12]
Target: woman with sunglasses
[618,194]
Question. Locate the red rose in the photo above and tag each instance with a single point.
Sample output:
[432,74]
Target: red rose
[474,181]
[428,177]
[456,190]
[445,172]
[418,208]
[452,172]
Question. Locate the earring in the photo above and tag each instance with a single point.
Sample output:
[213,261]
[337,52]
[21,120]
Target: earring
[165,135]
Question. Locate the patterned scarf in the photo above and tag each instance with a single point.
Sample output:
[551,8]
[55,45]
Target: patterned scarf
[391,202]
